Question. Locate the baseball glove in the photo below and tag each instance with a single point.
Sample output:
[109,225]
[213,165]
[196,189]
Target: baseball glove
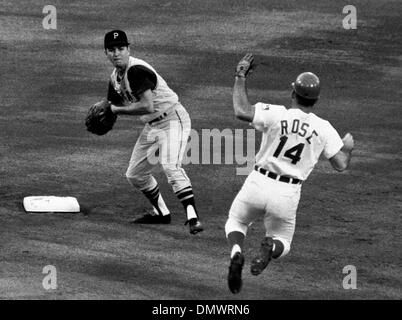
[100,118]
[245,66]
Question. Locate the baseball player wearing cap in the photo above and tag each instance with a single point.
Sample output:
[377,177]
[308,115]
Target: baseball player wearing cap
[292,142]
[135,88]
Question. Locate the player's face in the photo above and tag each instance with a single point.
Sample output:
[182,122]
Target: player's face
[118,56]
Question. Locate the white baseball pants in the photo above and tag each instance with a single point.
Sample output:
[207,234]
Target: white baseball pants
[275,201]
[164,143]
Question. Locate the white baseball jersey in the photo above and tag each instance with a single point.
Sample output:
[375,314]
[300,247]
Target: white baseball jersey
[293,140]
[168,135]
[140,76]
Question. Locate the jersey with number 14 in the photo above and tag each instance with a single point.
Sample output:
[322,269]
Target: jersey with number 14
[293,140]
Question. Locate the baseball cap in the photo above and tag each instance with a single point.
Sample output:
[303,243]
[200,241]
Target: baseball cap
[116,38]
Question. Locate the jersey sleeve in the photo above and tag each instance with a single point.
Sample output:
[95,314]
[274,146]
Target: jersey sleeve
[141,79]
[266,115]
[113,96]
[333,142]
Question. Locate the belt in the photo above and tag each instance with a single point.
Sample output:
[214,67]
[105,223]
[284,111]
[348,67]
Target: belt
[162,116]
[275,176]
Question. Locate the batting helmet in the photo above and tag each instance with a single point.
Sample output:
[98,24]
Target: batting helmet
[307,85]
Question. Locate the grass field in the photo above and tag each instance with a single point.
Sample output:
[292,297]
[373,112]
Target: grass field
[49,78]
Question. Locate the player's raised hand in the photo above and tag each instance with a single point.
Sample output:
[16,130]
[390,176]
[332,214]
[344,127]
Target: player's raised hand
[348,142]
[245,66]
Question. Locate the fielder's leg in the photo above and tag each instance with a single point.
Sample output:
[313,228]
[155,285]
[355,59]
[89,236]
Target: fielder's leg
[172,146]
[139,176]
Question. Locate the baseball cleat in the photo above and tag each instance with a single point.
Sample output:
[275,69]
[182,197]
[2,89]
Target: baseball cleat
[195,226]
[235,269]
[259,263]
[153,219]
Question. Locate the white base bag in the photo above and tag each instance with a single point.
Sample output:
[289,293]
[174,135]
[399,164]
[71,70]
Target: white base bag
[51,204]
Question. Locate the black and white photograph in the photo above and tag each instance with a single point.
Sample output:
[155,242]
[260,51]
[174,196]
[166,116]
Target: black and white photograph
[200,150]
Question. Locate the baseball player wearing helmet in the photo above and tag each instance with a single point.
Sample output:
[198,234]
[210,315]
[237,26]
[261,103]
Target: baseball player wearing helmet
[135,88]
[292,141]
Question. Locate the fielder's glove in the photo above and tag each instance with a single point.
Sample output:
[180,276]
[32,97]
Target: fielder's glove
[245,66]
[100,118]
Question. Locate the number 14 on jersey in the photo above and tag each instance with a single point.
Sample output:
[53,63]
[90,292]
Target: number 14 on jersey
[293,153]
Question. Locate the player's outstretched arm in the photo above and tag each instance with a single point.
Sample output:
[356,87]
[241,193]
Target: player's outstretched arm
[341,160]
[242,108]
[144,106]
